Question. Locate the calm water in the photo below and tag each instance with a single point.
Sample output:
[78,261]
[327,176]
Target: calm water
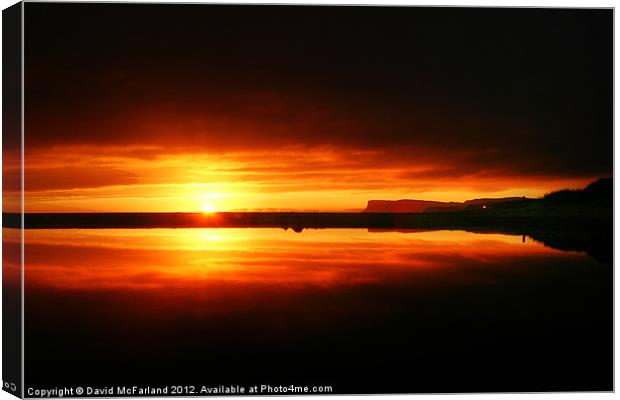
[361,311]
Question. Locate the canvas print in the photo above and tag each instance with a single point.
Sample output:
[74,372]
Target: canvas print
[281,199]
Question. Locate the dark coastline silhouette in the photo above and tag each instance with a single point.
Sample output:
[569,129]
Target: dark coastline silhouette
[418,206]
[579,220]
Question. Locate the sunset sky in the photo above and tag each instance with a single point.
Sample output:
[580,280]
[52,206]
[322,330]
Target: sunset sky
[193,107]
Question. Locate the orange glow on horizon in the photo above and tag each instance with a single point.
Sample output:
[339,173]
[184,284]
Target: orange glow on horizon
[326,179]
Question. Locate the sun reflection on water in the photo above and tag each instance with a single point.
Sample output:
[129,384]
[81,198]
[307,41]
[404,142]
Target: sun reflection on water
[199,258]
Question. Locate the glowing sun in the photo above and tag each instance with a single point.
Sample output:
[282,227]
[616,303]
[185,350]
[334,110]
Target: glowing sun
[208,208]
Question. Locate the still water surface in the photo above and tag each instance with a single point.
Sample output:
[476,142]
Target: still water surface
[359,310]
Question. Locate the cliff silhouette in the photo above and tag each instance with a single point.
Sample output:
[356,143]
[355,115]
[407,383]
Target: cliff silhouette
[405,206]
[598,194]
[418,206]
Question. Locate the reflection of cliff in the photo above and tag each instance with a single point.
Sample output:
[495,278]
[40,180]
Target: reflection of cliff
[584,228]
[596,243]
[594,239]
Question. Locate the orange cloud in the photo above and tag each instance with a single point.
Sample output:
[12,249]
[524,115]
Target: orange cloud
[328,178]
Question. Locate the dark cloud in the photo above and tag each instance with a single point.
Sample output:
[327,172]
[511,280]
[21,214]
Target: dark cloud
[519,90]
